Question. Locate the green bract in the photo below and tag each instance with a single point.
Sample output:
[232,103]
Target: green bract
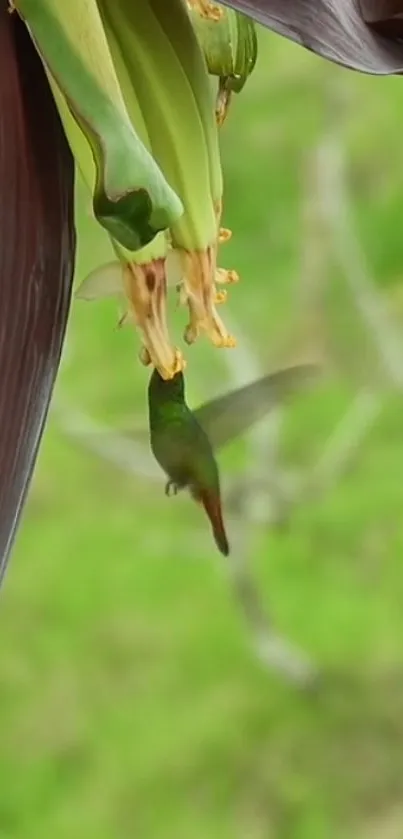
[131,197]
[229,44]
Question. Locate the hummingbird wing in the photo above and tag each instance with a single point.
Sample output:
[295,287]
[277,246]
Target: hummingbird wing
[231,415]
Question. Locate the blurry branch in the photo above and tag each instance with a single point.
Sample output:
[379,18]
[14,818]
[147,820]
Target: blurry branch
[342,445]
[329,224]
[386,825]
[334,208]
[351,257]
[313,267]
[273,489]
[273,650]
[102,441]
[263,439]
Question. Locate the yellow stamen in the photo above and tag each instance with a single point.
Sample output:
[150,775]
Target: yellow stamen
[224,235]
[145,288]
[198,291]
[226,277]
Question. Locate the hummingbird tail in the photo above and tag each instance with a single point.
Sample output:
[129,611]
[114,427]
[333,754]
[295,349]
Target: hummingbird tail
[212,506]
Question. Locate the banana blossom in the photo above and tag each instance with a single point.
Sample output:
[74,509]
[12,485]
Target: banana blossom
[65,101]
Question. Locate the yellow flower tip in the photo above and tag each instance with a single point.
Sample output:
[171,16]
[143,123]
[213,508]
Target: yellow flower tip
[144,356]
[225,277]
[222,339]
[208,10]
[222,104]
[212,326]
[200,294]
[191,333]
[145,290]
[216,331]
[179,366]
[224,235]
[220,296]
[230,343]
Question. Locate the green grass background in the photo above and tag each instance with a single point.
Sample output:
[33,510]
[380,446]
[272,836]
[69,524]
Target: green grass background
[130,704]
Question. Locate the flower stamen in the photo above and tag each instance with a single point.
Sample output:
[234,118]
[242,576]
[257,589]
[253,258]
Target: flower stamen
[199,293]
[220,296]
[224,235]
[223,276]
[145,289]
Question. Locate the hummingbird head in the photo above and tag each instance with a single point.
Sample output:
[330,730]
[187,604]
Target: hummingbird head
[160,388]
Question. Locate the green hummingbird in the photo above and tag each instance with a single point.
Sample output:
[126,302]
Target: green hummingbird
[183,441]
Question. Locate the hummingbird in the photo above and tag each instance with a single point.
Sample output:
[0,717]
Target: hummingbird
[183,441]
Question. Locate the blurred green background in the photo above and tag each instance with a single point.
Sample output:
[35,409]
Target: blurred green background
[131,703]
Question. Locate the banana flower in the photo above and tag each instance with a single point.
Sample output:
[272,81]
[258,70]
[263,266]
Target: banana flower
[120,90]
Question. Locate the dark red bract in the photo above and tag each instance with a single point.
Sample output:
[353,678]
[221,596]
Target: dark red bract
[36,261]
[361,35]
